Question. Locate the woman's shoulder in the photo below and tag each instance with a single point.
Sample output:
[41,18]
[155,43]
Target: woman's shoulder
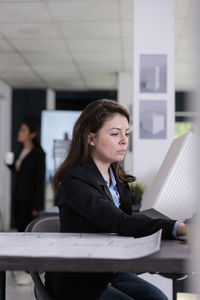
[37,150]
[75,171]
[86,172]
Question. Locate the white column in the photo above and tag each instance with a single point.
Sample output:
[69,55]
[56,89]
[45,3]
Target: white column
[50,100]
[5,145]
[153,94]
[50,105]
[125,98]
[153,85]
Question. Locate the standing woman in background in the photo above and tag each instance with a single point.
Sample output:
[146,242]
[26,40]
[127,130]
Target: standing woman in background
[29,171]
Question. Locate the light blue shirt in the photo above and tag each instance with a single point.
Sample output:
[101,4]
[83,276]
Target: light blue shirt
[116,197]
[175,229]
[113,188]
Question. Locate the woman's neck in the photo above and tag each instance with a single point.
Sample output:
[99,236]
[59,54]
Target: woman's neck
[28,144]
[103,168]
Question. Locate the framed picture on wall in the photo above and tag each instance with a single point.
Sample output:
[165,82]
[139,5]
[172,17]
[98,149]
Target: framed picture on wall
[153,119]
[153,73]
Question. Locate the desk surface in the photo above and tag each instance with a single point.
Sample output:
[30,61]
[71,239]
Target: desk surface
[171,258]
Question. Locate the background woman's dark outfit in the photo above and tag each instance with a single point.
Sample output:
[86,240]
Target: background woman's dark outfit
[28,194]
[86,205]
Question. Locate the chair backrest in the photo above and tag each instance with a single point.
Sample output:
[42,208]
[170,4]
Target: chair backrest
[42,224]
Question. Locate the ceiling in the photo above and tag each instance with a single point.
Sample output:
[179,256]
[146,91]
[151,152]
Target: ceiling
[80,44]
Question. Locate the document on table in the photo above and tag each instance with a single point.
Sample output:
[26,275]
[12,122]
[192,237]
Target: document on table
[78,245]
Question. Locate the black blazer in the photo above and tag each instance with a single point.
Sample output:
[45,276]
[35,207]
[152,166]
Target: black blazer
[86,205]
[29,180]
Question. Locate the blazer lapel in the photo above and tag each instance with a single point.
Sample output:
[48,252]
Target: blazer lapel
[107,192]
[125,198]
[97,179]
[96,174]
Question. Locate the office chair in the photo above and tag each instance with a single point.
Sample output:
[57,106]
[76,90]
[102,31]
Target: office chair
[42,224]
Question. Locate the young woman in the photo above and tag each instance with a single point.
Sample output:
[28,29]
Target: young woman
[29,171]
[94,196]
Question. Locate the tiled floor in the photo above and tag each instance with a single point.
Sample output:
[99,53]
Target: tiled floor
[15,292]
[185,296]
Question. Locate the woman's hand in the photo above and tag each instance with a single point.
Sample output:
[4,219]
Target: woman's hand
[181,229]
[35,212]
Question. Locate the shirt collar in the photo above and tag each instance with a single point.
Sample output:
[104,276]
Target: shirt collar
[112,177]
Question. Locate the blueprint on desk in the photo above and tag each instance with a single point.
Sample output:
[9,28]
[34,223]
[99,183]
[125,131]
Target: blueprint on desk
[78,245]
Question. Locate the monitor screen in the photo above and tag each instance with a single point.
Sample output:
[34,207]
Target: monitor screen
[56,134]
[175,189]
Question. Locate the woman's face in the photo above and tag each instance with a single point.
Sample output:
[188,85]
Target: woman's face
[24,134]
[110,143]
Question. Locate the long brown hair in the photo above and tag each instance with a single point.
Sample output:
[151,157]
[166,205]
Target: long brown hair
[33,127]
[91,120]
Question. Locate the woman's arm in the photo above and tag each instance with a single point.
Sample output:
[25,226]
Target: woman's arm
[90,203]
[181,229]
[11,167]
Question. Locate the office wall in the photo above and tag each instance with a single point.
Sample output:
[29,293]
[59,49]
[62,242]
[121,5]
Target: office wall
[5,145]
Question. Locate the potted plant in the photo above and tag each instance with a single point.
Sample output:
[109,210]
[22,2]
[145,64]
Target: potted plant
[137,190]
